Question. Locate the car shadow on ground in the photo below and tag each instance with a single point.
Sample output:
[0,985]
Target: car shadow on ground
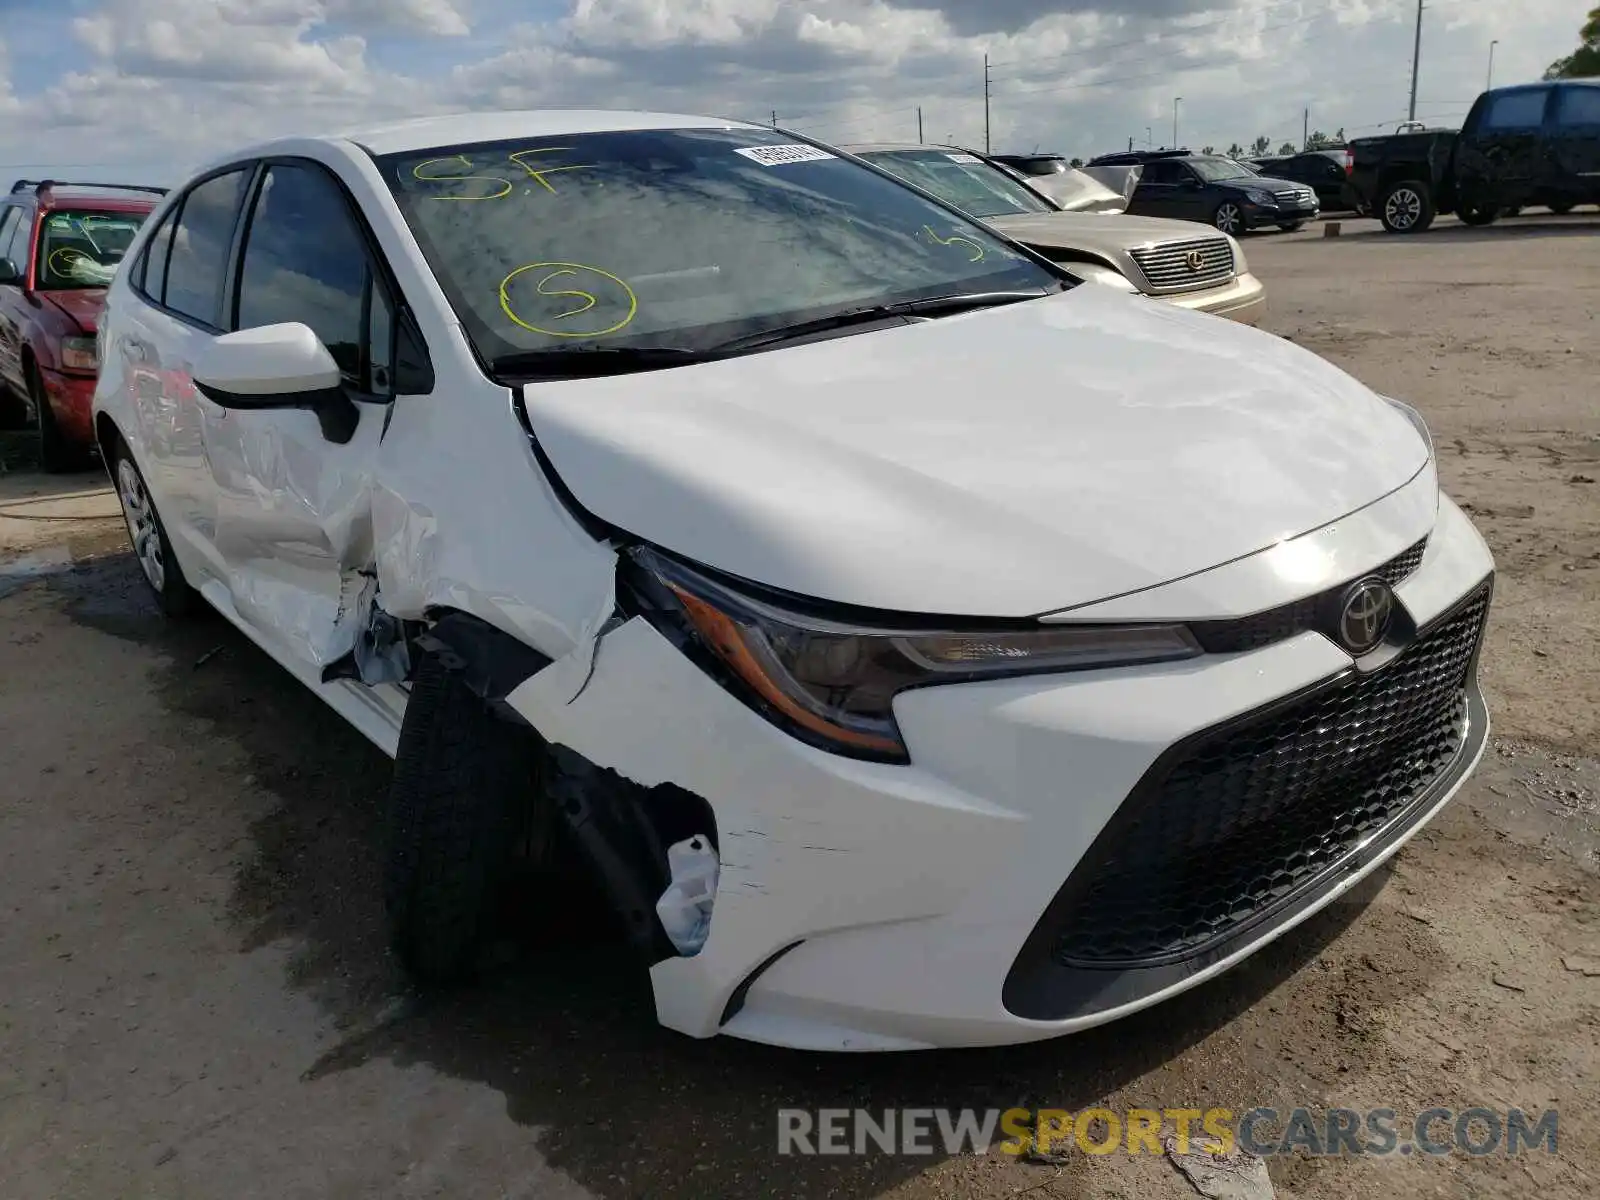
[563,1027]
[1453,233]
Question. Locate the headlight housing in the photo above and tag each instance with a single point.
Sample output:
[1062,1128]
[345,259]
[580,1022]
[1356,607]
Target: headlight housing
[1265,199]
[1416,419]
[831,681]
[80,354]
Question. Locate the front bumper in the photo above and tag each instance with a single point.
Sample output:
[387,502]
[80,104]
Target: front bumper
[71,399]
[866,906]
[1259,216]
[1239,300]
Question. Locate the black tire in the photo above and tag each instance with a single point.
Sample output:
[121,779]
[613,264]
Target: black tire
[1478,216]
[464,781]
[1229,218]
[1407,207]
[1563,209]
[147,535]
[56,454]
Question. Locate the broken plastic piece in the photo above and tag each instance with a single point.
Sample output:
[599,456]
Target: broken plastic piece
[685,907]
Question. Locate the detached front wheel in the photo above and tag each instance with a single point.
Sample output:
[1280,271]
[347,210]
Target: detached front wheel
[463,781]
[1407,207]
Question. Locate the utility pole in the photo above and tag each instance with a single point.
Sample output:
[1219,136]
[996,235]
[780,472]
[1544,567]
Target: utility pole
[986,104]
[1130,143]
[1305,141]
[1175,102]
[1490,82]
[1416,61]
[919,124]
[774,118]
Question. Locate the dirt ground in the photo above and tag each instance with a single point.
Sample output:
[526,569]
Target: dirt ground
[195,998]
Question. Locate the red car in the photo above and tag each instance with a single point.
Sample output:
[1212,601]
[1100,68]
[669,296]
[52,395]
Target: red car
[60,244]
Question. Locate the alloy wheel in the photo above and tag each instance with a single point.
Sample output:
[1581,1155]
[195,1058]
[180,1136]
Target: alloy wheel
[1402,208]
[1229,220]
[140,515]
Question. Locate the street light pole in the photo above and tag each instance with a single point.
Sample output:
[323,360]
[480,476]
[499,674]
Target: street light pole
[1175,102]
[1490,83]
[1416,62]
[1149,138]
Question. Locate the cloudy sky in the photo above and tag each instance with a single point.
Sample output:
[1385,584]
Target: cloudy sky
[149,87]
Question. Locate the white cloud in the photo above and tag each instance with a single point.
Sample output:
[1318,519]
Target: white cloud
[177,80]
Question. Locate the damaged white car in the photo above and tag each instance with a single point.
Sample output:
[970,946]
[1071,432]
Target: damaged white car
[919,648]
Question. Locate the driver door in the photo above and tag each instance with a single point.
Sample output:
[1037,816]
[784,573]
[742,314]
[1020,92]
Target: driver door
[293,497]
[1162,192]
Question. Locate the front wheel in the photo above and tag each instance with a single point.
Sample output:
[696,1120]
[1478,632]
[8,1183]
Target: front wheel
[463,783]
[56,454]
[1486,215]
[1562,209]
[1229,218]
[151,546]
[1407,207]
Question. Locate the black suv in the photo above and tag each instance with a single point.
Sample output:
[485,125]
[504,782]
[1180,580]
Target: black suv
[1326,172]
[1213,189]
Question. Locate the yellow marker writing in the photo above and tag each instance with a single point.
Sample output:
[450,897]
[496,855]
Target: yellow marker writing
[594,277]
[416,173]
[954,240]
[539,173]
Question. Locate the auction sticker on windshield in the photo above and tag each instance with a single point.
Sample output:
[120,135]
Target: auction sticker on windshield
[963,158]
[777,156]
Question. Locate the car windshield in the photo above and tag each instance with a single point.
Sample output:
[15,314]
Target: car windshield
[963,180]
[1214,170]
[682,238]
[82,248]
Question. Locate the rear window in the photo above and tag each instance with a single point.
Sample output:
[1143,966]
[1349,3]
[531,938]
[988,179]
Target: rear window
[83,248]
[1578,106]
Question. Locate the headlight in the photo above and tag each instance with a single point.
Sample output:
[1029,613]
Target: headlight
[832,682]
[79,354]
[1266,199]
[1417,422]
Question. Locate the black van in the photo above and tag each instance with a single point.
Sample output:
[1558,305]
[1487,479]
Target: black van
[1534,144]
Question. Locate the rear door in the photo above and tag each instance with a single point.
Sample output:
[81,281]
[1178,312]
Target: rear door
[13,219]
[1500,158]
[294,524]
[1574,150]
[1161,192]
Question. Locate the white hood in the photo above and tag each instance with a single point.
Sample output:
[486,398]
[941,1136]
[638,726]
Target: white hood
[1006,462]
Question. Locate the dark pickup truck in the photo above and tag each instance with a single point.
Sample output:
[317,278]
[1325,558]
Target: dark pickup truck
[1535,144]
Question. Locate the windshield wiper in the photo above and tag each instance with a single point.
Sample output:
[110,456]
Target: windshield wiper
[593,361]
[932,306]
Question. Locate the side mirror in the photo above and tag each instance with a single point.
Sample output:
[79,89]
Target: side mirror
[9,272]
[276,366]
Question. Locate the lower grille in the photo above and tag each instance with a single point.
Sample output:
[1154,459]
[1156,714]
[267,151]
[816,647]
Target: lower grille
[1255,815]
[1187,265]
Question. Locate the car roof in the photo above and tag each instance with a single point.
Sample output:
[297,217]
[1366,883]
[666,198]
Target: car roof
[423,133]
[887,147]
[97,202]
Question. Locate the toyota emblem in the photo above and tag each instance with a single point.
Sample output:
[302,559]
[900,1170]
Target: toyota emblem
[1196,260]
[1364,618]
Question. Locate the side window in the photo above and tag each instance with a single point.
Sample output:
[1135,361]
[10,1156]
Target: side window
[1578,106]
[151,272]
[18,241]
[8,226]
[305,260]
[1163,173]
[1516,110]
[200,241]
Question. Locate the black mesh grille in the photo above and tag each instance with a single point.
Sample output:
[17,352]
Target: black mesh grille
[1313,612]
[1252,817]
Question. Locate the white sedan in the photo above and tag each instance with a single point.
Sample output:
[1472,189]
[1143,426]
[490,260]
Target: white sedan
[919,648]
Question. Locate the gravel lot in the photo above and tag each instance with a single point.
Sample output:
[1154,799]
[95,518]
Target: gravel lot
[195,1000]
